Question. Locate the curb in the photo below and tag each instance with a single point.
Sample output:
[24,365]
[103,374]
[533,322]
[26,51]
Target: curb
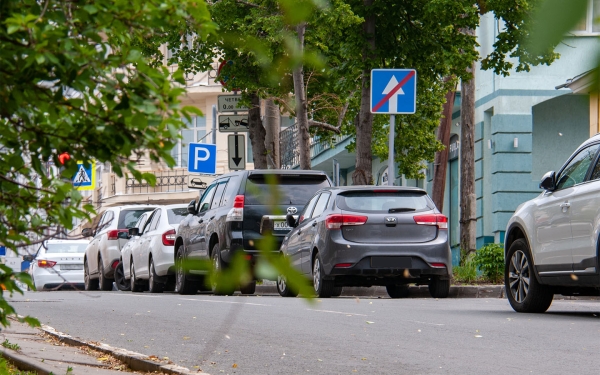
[25,363]
[135,361]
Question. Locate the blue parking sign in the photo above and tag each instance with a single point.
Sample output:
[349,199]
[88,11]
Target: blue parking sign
[202,158]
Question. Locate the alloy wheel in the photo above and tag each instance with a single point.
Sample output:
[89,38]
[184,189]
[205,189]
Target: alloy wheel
[518,276]
[179,271]
[281,283]
[317,274]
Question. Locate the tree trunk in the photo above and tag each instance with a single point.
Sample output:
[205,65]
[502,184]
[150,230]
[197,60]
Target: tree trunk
[301,110]
[257,133]
[272,122]
[468,218]
[440,164]
[363,174]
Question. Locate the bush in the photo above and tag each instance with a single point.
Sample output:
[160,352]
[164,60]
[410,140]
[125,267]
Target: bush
[467,273]
[490,260]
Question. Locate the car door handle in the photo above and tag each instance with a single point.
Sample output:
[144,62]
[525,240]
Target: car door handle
[314,224]
[211,218]
[200,221]
[565,205]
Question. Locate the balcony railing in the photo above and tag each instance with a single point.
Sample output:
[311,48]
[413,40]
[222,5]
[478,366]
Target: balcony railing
[166,181]
[290,150]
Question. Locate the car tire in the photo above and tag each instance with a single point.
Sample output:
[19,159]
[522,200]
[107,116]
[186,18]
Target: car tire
[105,283]
[183,285]
[337,291]
[439,288]
[120,280]
[217,267]
[323,288]
[283,288]
[154,285]
[89,283]
[397,290]
[249,288]
[523,291]
[135,284]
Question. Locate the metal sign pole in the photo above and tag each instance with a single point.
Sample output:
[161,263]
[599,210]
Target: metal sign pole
[214,124]
[391,167]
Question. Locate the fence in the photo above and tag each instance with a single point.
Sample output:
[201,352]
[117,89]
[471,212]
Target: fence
[290,149]
[166,181]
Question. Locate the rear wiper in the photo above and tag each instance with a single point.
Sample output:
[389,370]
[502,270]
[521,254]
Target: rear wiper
[400,209]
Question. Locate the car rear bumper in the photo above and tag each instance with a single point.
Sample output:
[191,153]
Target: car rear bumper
[45,279]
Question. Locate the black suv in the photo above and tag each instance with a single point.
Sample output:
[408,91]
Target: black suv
[232,215]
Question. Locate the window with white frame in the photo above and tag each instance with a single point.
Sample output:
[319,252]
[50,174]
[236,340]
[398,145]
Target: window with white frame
[590,23]
[194,132]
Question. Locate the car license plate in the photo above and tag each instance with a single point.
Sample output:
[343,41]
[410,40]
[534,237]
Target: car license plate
[281,225]
[67,267]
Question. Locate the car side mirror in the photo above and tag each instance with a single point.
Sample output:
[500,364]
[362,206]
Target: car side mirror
[86,232]
[123,235]
[548,181]
[291,221]
[28,258]
[192,207]
[131,232]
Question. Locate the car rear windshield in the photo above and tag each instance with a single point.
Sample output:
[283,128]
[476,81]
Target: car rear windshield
[128,218]
[287,189]
[383,201]
[54,248]
[177,214]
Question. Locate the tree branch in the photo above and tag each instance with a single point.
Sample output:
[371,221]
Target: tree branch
[322,125]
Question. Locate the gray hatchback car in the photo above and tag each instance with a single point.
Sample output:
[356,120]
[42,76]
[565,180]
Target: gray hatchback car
[369,235]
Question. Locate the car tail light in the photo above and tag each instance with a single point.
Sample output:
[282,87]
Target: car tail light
[114,264]
[237,212]
[438,265]
[43,263]
[168,238]
[336,221]
[114,234]
[343,265]
[439,220]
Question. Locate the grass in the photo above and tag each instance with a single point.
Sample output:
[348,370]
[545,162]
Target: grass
[9,369]
[8,345]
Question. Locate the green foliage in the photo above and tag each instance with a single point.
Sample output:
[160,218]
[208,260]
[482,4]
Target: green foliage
[9,369]
[490,260]
[10,346]
[466,272]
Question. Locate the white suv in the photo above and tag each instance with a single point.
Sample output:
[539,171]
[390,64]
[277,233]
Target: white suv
[551,243]
[104,250]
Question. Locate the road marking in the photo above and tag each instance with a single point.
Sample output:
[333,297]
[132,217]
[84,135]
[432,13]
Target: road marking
[231,302]
[431,324]
[337,312]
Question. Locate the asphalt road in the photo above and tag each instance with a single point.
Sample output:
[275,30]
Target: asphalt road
[274,335]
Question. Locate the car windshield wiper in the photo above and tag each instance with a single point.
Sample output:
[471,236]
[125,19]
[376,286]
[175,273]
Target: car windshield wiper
[400,209]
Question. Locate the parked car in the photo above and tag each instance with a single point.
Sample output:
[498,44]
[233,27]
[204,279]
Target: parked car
[104,250]
[551,242]
[369,235]
[57,264]
[133,237]
[150,261]
[233,214]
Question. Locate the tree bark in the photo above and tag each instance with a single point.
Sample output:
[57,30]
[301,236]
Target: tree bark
[440,164]
[272,122]
[468,218]
[363,174]
[257,134]
[301,109]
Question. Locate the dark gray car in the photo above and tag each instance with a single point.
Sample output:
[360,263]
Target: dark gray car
[370,235]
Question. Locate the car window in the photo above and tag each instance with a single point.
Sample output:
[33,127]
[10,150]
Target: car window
[308,209]
[574,173]
[596,171]
[231,190]
[321,204]
[155,220]
[106,220]
[65,247]
[218,195]
[141,221]
[128,217]
[383,201]
[204,204]
[148,223]
[288,189]
[175,215]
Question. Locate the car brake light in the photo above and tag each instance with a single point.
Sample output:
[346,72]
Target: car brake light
[336,221]
[114,234]
[168,238]
[43,263]
[438,265]
[343,265]
[439,220]
[114,264]
[237,212]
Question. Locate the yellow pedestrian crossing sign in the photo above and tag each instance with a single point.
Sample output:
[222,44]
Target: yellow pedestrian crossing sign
[85,177]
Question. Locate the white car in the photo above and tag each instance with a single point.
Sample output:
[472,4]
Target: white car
[151,261]
[58,263]
[103,253]
[134,238]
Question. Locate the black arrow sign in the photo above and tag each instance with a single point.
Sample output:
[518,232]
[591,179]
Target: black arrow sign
[236,159]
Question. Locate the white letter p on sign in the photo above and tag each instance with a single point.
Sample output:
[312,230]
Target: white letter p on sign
[197,157]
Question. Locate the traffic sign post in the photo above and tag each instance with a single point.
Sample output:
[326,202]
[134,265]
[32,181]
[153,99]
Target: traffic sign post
[236,152]
[233,123]
[393,91]
[230,103]
[85,177]
[202,158]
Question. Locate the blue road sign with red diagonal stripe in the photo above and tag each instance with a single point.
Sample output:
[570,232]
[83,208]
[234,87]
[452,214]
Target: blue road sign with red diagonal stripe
[393,91]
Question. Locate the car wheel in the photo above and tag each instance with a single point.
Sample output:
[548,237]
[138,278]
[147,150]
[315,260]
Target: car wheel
[397,291]
[89,283]
[154,285]
[183,285]
[323,288]
[523,291]
[135,285]
[249,288]
[217,268]
[120,280]
[105,283]
[337,291]
[283,288]
[439,288]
